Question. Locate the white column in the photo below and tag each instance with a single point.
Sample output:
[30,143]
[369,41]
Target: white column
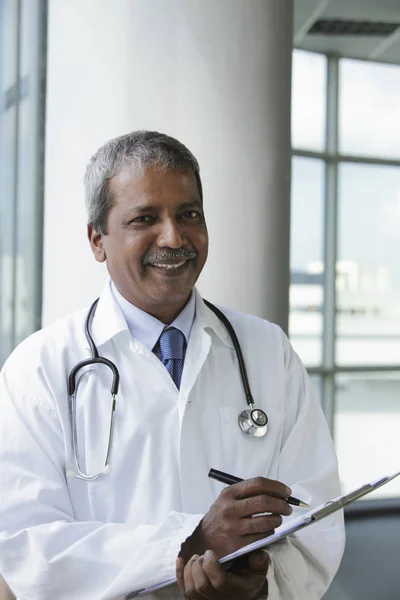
[215,74]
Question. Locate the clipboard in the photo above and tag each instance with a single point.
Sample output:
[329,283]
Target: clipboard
[289,528]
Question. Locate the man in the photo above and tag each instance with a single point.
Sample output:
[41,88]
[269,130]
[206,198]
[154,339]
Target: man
[153,509]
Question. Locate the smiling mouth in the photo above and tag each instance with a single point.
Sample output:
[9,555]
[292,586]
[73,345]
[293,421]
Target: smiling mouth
[169,266]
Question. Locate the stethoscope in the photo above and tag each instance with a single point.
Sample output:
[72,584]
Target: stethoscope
[252,421]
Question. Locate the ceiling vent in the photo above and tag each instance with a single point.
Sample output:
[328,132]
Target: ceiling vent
[344,27]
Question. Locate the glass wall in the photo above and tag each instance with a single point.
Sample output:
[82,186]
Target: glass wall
[22,77]
[345,260]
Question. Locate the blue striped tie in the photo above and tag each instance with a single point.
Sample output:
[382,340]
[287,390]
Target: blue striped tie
[172,345]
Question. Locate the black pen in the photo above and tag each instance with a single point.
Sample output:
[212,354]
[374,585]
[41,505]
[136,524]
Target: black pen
[231,479]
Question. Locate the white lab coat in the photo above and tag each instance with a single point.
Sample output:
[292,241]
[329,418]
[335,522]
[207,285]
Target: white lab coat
[63,538]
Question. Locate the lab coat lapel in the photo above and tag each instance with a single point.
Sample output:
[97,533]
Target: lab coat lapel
[205,323]
[196,354]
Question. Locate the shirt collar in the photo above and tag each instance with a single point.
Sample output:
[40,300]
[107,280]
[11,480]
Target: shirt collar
[146,328]
[109,320]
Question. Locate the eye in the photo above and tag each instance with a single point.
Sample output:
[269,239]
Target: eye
[142,219]
[191,214]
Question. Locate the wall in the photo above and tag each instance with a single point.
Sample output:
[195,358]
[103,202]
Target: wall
[214,74]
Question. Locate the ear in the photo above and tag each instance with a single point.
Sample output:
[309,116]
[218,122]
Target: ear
[96,243]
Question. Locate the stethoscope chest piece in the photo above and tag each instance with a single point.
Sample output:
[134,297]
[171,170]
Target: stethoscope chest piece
[253,422]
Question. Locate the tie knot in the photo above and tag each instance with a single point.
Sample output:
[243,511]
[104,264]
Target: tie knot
[172,343]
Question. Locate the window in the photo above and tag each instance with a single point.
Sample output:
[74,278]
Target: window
[344,255]
[306,289]
[22,52]
[309,91]
[367,422]
[368,267]
[369,122]
[8,130]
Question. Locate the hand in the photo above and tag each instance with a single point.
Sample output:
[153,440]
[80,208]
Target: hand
[230,523]
[204,577]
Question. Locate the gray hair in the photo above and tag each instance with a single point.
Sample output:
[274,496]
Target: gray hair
[137,150]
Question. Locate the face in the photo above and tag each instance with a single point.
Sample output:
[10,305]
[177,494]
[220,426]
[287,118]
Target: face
[156,242]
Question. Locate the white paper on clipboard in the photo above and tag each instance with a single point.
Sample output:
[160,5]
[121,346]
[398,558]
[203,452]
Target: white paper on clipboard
[288,528]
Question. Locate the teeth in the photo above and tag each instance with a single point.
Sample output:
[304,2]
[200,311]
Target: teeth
[169,266]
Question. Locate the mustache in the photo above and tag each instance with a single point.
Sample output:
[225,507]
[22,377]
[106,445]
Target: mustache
[169,254]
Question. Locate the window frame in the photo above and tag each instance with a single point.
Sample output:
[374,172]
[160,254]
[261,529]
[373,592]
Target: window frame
[331,157]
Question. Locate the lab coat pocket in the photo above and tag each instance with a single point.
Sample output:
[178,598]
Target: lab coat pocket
[246,456]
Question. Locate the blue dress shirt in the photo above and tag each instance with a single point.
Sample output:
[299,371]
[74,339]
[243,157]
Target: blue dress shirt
[146,328]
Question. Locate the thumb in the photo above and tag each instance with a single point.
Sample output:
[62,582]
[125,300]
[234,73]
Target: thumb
[259,561]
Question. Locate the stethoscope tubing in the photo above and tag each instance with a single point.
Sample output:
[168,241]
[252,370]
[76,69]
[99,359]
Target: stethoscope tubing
[249,420]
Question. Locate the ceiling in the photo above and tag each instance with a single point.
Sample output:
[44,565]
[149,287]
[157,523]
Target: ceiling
[381,48]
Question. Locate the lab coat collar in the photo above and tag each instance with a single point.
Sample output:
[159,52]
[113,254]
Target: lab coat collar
[206,319]
[108,320]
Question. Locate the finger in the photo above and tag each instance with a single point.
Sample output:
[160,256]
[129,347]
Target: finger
[256,537]
[262,504]
[180,567]
[202,584]
[258,562]
[217,576]
[189,590]
[227,585]
[259,525]
[255,563]
[260,486]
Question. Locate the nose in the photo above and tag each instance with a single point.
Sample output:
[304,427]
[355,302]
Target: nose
[170,235]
